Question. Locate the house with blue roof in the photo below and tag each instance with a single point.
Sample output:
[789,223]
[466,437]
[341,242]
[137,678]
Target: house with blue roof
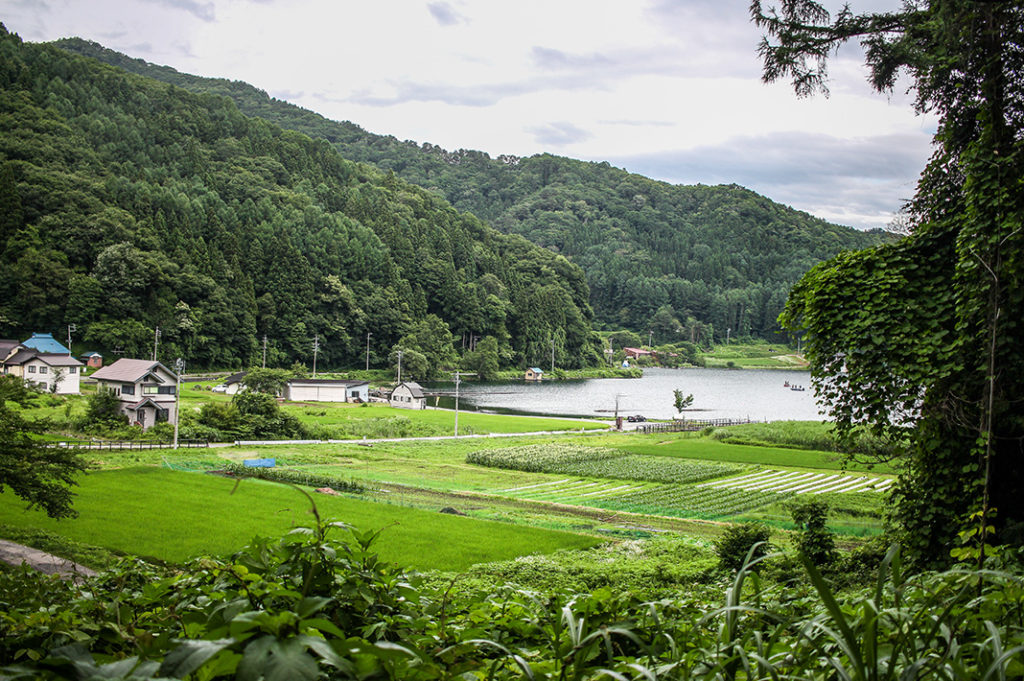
[46,343]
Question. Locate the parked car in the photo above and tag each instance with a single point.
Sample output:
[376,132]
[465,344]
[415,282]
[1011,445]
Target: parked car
[636,419]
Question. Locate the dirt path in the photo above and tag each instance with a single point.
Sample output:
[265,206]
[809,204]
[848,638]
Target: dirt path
[16,554]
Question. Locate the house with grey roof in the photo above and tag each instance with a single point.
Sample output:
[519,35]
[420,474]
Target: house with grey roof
[408,395]
[60,374]
[146,389]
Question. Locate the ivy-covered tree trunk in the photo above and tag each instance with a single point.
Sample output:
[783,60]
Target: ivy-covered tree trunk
[921,341]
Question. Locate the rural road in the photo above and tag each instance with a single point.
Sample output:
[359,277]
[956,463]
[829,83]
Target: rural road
[16,554]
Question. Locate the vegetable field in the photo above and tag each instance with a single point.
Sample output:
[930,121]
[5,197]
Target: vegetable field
[681,501]
[599,463]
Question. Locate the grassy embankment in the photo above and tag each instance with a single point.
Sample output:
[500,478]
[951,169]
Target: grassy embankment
[754,356]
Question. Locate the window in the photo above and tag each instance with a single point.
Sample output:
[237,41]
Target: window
[43,370]
[31,370]
[71,370]
[127,389]
[162,415]
[158,390]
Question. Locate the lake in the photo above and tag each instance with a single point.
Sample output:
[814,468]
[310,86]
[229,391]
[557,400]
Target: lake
[758,394]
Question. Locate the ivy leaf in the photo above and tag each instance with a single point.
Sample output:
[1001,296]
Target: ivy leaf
[190,656]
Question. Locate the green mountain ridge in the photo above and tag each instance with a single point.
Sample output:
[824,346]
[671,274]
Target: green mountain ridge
[127,204]
[668,258]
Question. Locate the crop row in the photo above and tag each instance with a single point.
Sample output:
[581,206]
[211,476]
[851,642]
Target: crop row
[690,501]
[792,482]
[599,463]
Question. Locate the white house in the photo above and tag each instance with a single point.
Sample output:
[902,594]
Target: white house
[146,389]
[58,374]
[408,395]
[233,383]
[326,390]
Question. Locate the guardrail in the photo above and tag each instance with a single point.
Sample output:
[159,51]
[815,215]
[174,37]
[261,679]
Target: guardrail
[687,425]
[126,444]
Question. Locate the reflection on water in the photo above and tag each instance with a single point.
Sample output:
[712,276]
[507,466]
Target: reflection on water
[758,394]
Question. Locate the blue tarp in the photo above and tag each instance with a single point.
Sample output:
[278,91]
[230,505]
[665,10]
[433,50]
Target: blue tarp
[259,463]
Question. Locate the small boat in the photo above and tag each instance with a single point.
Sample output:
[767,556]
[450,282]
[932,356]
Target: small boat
[786,384]
[798,388]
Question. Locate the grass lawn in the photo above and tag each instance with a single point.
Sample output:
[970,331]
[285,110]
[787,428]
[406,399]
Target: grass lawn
[754,356]
[175,516]
[431,421]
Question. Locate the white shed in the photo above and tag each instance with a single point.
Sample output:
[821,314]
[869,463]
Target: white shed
[408,395]
[326,390]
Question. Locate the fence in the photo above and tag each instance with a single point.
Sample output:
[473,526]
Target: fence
[126,444]
[688,425]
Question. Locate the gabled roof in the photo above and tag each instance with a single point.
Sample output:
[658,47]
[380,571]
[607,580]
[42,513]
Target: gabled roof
[414,388]
[59,360]
[7,346]
[235,378]
[45,342]
[27,355]
[91,354]
[536,370]
[130,370]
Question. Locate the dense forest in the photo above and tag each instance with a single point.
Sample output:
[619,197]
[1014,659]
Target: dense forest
[681,261]
[127,204]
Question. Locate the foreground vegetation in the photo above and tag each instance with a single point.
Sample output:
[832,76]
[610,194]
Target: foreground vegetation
[307,606]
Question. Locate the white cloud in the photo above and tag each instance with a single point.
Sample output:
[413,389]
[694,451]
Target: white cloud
[668,87]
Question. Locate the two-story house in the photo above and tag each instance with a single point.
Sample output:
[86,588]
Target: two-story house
[58,374]
[147,389]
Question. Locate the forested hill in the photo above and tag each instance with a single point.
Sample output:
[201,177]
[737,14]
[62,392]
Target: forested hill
[127,203]
[720,256]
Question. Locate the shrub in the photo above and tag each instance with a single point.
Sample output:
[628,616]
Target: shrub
[814,540]
[736,544]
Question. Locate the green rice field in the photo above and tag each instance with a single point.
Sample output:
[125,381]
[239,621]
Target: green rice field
[173,516]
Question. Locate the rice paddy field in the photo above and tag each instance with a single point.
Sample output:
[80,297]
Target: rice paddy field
[173,516]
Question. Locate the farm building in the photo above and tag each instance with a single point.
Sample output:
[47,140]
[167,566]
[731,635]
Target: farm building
[408,395]
[233,383]
[93,360]
[326,390]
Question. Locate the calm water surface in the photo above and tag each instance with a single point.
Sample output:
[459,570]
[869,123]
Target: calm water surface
[758,394]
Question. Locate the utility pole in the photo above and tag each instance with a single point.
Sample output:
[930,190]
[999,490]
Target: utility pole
[368,334]
[156,342]
[71,327]
[458,379]
[399,367]
[264,351]
[650,337]
[316,348]
[552,355]
[727,330]
[179,369]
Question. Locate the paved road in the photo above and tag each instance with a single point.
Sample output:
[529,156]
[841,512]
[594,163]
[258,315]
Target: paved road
[16,554]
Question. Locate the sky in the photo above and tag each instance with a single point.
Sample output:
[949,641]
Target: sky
[670,89]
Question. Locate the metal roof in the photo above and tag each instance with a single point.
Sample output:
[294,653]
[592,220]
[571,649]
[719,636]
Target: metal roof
[45,342]
[130,370]
[323,381]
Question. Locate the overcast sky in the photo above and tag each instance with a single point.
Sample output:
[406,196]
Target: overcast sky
[667,88]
